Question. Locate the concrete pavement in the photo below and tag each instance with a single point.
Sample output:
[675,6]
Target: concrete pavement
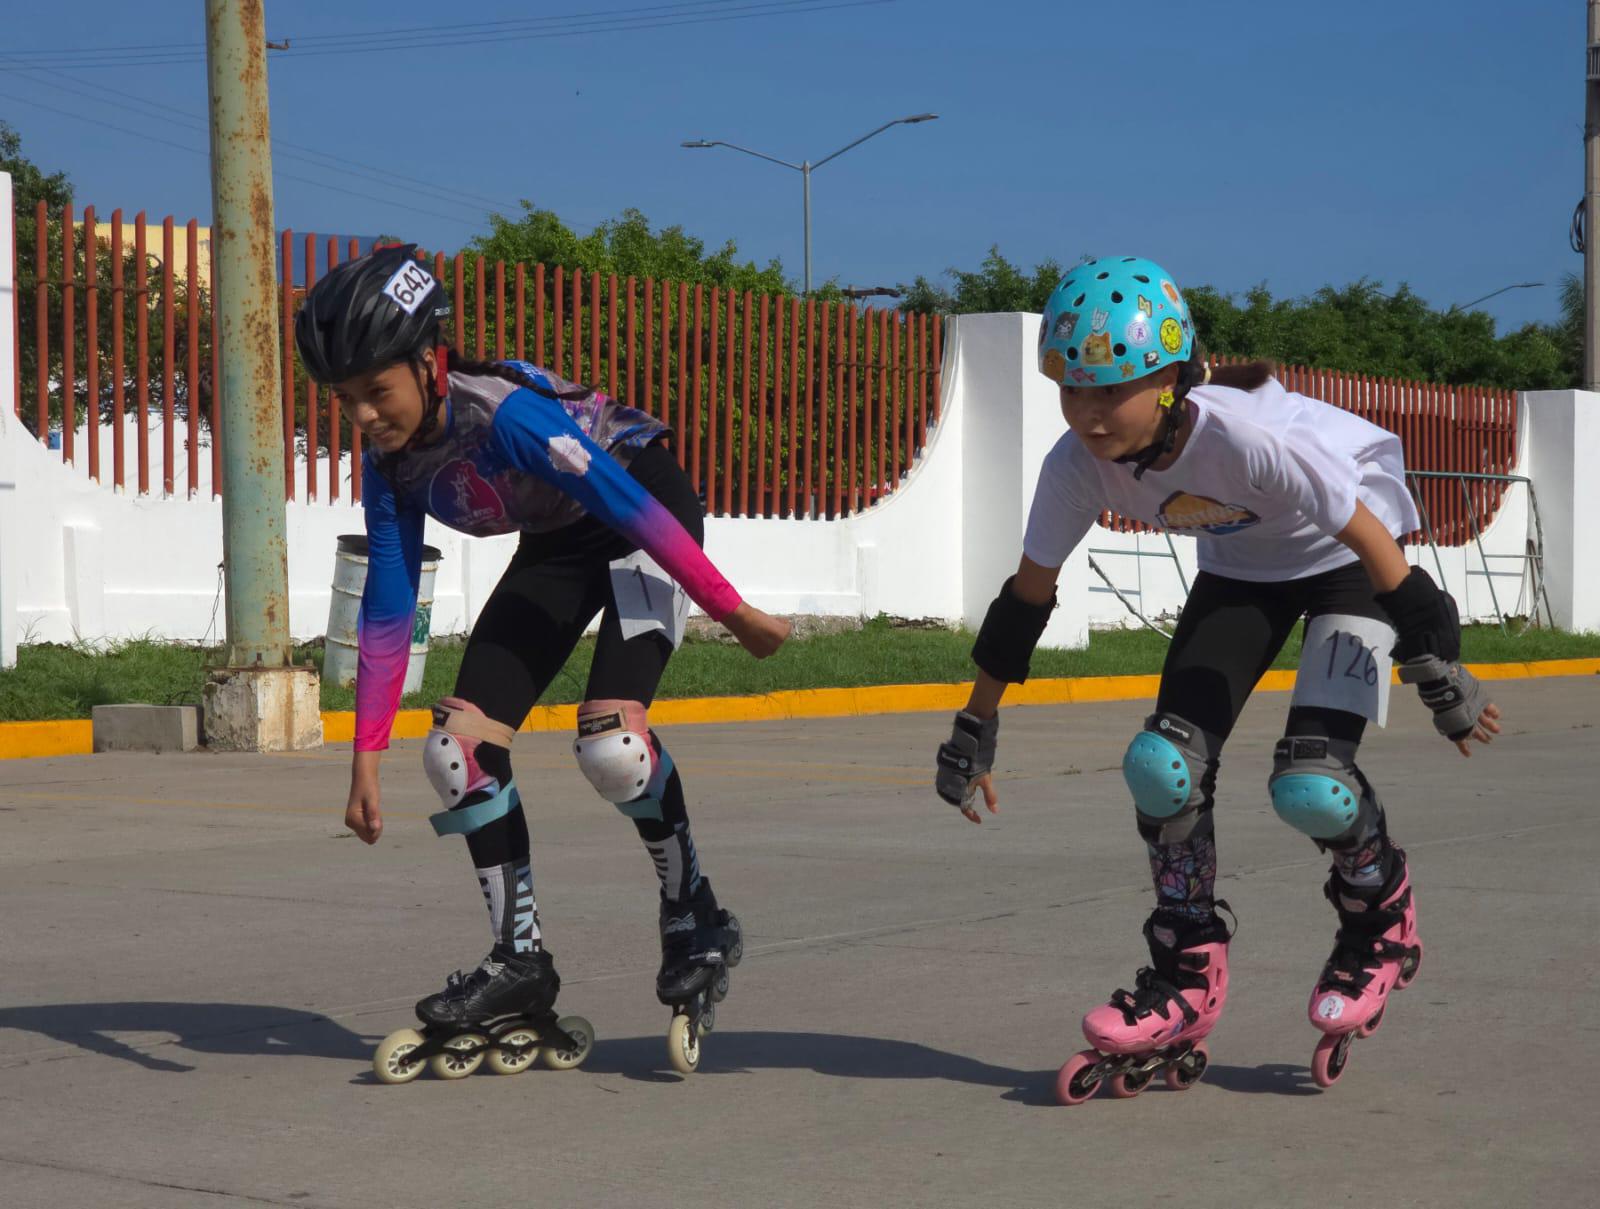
[196,960]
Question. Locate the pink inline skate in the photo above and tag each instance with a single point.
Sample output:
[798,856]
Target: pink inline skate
[1158,1028]
[1377,951]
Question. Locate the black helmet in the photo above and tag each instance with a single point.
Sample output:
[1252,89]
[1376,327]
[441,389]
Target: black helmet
[367,313]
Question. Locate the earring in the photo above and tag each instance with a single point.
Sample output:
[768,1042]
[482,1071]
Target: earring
[1165,399]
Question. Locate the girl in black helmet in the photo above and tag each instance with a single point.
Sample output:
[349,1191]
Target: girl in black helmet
[610,525]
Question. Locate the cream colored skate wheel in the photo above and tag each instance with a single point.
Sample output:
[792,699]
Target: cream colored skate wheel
[507,1062]
[683,1045]
[457,1061]
[582,1032]
[389,1060]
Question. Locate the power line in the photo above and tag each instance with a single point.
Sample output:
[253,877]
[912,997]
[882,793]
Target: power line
[340,163]
[304,180]
[380,41]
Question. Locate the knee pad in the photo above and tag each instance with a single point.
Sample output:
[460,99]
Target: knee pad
[449,757]
[623,760]
[1170,768]
[1317,789]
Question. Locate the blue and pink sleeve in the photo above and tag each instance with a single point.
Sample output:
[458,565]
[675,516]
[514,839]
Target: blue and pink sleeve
[537,436]
[388,605]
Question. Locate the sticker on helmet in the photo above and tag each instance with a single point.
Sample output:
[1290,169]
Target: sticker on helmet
[1127,369]
[1171,291]
[1066,325]
[409,285]
[1138,332]
[1146,307]
[1055,365]
[1097,349]
[1101,318]
[1171,335]
[1152,359]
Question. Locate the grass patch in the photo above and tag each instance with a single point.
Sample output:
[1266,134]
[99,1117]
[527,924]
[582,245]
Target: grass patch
[53,681]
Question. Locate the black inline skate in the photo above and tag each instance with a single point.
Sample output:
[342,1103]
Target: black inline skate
[700,943]
[501,1011]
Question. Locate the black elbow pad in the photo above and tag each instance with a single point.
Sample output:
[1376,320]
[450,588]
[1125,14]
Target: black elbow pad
[1010,630]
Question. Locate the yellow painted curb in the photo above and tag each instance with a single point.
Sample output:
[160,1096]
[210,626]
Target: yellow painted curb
[72,737]
[76,737]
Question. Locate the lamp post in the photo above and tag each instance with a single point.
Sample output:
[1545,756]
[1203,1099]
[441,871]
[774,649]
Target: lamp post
[1521,285]
[805,167]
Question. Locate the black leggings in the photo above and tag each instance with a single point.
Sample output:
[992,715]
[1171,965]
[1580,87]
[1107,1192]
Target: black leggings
[1231,630]
[555,585]
[549,594]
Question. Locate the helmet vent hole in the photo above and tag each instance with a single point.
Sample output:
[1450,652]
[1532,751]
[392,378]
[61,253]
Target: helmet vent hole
[1116,295]
[1141,279]
[1101,276]
[1072,353]
[1119,349]
[1078,301]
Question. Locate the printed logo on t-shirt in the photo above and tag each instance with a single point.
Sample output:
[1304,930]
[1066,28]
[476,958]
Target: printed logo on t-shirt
[1180,510]
[462,497]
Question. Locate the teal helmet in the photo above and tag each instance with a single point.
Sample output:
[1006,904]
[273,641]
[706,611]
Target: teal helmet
[1112,320]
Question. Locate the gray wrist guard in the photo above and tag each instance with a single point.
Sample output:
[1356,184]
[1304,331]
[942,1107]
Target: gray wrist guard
[968,755]
[1449,690]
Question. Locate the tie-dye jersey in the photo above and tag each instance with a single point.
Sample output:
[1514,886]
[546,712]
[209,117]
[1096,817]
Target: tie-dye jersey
[511,459]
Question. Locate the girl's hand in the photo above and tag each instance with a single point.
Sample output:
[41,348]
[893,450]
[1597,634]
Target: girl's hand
[759,633]
[362,813]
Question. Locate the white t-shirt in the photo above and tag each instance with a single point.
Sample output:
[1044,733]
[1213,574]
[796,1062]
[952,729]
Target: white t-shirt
[1266,480]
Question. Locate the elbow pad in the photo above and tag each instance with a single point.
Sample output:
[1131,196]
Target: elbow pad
[1010,630]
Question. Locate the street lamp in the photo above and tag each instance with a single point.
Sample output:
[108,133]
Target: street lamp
[804,168]
[1521,285]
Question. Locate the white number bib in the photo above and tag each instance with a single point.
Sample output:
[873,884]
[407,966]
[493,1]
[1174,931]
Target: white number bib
[648,598]
[1345,665]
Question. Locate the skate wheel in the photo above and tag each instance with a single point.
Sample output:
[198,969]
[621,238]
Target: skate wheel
[717,991]
[582,1032]
[1188,1070]
[683,1045]
[390,1060]
[735,951]
[461,1056]
[1076,1081]
[1127,1085]
[513,1062]
[708,1018]
[1409,965]
[1372,1022]
[1332,1052]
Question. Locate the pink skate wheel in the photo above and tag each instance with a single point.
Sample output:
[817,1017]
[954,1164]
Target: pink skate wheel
[1076,1081]
[1129,1084]
[1183,1075]
[1327,1063]
[1372,1022]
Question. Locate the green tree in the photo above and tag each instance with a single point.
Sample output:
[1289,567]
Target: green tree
[997,285]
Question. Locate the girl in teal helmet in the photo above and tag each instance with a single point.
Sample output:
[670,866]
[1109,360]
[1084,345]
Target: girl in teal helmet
[1295,507]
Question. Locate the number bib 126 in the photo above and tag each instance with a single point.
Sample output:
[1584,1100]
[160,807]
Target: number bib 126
[1345,665]
[648,598]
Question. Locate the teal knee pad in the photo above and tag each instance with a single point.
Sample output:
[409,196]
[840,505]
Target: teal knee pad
[1317,789]
[1167,769]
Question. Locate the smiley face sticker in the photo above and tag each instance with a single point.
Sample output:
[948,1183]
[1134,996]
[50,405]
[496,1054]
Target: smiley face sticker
[1171,335]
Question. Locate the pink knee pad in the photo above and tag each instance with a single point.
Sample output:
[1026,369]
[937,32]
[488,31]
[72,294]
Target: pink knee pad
[450,754]
[615,752]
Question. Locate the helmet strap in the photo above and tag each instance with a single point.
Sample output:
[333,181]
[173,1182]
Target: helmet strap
[1172,416]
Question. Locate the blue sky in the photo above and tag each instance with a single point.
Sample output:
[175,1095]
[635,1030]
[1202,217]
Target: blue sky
[1430,142]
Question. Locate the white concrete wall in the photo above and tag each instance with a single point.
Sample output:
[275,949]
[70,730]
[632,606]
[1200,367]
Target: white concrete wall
[78,560]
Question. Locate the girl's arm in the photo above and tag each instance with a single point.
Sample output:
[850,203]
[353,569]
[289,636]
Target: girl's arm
[537,436]
[388,608]
[1010,631]
[1369,539]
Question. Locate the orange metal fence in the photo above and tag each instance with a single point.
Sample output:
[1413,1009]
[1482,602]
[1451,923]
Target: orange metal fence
[780,406]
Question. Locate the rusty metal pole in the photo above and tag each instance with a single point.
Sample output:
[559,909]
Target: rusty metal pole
[259,701]
[254,553]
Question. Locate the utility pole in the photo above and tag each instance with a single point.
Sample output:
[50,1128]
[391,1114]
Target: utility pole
[258,702]
[1591,204]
